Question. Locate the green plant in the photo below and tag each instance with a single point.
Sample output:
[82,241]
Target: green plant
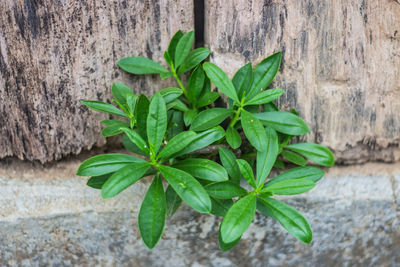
[185,139]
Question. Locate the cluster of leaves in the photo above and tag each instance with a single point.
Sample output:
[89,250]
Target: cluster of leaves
[173,129]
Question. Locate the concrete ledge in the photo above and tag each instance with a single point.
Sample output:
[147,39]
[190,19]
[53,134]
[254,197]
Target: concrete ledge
[354,213]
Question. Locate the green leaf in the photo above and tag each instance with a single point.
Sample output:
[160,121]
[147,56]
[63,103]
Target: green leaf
[203,168]
[288,217]
[225,190]
[123,178]
[142,111]
[284,122]
[195,84]
[207,99]
[264,73]
[172,44]
[188,116]
[140,65]
[130,146]
[243,79]
[131,103]
[221,80]
[178,105]
[246,171]
[317,153]
[226,246]
[105,163]
[137,140]
[270,107]
[209,118]
[228,160]
[188,188]
[279,164]
[169,94]
[219,207]
[156,122]
[176,124]
[165,75]
[176,144]
[204,139]
[233,137]
[183,47]
[194,58]
[170,63]
[254,131]
[294,158]
[173,201]
[289,187]
[265,97]
[267,158]
[98,181]
[120,92]
[152,213]
[103,107]
[311,173]
[238,218]
[113,127]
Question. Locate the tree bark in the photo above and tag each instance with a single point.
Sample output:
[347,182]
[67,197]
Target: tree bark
[55,53]
[340,67]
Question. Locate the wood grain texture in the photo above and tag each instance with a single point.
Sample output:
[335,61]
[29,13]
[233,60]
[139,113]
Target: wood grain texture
[55,53]
[340,69]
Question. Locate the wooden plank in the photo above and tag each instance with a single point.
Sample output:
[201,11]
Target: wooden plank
[341,62]
[54,53]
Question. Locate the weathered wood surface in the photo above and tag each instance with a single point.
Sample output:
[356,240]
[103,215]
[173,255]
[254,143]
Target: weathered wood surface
[54,53]
[341,65]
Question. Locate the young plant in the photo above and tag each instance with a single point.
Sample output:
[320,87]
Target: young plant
[190,145]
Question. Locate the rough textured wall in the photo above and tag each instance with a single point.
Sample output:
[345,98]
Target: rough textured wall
[341,63]
[54,53]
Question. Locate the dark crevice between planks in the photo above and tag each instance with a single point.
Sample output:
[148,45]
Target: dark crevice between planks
[199,23]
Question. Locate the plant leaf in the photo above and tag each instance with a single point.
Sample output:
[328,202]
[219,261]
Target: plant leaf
[176,144]
[288,217]
[221,80]
[246,171]
[152,213]
[311,173]
[267,158]
[289,187]
[188,188]
[243,79]
[172,44]
[194,58]
[140,65]
[120,92]
[195,84]
[188,116]
[265,97]
[178,105]
[130,146]
[209,118]
[173,201]
[238,218]
[98,181]
[105,163]
[264,73]
[228,160]
[103,107]
[219,207]
[203,168]
[204,139]
[156,122]
[123,178]
[226,246]
[254,131]
[315,152]
[233,137]
[169,94]
[142,111]
[183,47]
[131,103]
[284,122]
[136,139]
[176,124]
[113,127]
[207,99]
[294,158]
[225,190]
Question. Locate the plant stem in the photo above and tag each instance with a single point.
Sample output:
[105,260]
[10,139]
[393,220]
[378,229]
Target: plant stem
[235,118]
[176,76]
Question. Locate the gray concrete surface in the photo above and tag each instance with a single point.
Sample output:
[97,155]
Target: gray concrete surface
[49,218]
